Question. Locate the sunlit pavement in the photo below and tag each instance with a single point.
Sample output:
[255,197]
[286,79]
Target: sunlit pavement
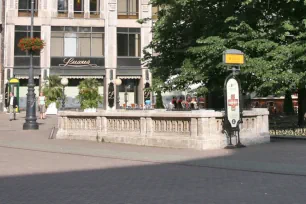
[35,169]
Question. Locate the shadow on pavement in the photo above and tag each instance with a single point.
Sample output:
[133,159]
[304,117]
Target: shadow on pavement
[191,181]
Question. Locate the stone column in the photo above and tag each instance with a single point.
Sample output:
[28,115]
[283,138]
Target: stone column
[44,8]
[102,9]
[70,8]
[86,8]
[12,8]
[53,5]
[9,48]
[110,49]
[45,55]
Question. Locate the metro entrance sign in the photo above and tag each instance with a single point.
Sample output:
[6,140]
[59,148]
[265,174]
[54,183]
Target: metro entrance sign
[233,110]
[233,57]
[233,105]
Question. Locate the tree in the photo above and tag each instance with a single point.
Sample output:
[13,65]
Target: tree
[89,96]
[288,105]
[159,101]
[190,36]
[53,90]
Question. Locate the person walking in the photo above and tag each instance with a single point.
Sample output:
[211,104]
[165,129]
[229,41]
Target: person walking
[42,105]
[12,106]
[174,102]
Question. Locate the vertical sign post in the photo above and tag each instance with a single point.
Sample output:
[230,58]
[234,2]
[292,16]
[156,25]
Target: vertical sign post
[233,59]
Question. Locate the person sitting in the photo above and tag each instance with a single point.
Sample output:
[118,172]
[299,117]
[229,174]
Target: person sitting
[179,103]
[193,104]
[174,103]
[148,104]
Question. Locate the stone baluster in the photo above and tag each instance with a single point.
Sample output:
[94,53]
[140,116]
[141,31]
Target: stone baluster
[194,127]
[143,126]
[149,127]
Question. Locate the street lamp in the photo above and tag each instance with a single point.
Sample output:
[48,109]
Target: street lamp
[118,82]
[30,121]
[64,82]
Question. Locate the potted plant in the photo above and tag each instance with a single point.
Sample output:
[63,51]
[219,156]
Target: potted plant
[89,96]
[31,44]
[53,91]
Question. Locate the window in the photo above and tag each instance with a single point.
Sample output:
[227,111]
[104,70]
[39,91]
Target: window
[77,41]
[24,7]
[79,8]
[271,104]
[23,58]
[94,8]
[62,8]
[128,42]
[155,10]
[128,9]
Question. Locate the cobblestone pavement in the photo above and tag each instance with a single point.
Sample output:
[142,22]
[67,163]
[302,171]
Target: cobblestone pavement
[36,170]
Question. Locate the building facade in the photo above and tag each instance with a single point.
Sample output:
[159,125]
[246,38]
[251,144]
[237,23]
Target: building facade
[84,39]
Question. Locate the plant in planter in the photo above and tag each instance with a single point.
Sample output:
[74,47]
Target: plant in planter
[31,44]
[89,96]
[53,90]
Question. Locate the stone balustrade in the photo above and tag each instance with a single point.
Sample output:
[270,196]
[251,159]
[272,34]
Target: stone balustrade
[177,129]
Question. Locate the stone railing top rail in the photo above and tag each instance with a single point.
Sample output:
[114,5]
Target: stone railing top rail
[161,113]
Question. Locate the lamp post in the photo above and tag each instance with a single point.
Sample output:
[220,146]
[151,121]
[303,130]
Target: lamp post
[30,121]
[64,82]
[118,82]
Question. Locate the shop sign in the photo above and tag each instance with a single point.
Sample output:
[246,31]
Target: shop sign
[72,62]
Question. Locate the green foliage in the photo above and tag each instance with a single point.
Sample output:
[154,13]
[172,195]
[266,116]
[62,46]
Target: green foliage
[159,101]
[89,96]
[53,90]
[288,105]
[190,37]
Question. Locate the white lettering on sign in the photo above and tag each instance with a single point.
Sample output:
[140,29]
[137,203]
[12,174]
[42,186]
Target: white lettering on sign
[233,105]
[76,63]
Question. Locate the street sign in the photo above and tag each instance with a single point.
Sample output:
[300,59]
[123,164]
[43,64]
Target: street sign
[233,57]
[232,102]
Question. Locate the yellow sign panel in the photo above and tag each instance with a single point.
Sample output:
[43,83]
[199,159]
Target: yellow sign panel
[234,59]
[14,81]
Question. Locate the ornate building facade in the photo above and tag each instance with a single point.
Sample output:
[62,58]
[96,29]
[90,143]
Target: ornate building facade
[84,39]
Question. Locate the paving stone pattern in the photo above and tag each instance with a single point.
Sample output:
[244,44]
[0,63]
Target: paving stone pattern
[36,170]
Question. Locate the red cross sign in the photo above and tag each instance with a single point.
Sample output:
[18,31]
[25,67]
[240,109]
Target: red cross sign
[233,102]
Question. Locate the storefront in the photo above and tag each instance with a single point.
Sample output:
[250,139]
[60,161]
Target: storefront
[96,45]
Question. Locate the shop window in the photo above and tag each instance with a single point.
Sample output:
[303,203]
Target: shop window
[128,9]
[155,10]
[94,8]
[270,104]
[77,42]
[24,7]
[78,8]
[128,42]
[62,8]
[23,58]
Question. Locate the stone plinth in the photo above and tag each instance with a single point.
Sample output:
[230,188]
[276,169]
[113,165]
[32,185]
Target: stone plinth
[194,130]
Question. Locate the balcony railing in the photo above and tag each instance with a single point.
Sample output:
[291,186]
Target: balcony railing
[62,13]
[128,15]
[27,12]
[78,14]
[94,14]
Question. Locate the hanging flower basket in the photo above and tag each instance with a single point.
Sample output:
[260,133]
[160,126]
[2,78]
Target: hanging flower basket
[31,44]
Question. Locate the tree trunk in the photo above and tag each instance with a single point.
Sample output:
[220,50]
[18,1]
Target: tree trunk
[301,104]
[288,105]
